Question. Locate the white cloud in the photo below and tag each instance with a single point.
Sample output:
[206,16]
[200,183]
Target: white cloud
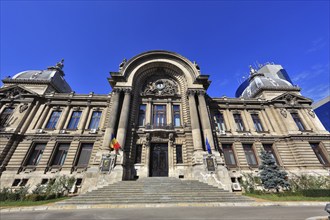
[315,70]
[318,92]
[317,44]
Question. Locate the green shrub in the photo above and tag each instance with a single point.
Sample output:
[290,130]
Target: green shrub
[32,197]
[316,192]
[22,191]
[13,196]
[298,183]
[52,196]
[4,194]
[40,189]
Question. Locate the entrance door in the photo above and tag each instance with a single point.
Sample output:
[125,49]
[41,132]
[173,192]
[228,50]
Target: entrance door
[159,160]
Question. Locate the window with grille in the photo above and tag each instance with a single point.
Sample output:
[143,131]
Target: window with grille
[95,120]
[249,155]
[84,155]
[74,120]
[179,154]
[5,115]
[142,115]
[257,122]
[35,154]
[269,149]
[51,124]
[229,155]
[220,122]
[298,121]
[176,116]
[239,122]
[320,154]
[159,116]
[61,152]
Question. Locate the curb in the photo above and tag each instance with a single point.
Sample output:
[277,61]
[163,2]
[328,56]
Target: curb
[158,205]
[318,218]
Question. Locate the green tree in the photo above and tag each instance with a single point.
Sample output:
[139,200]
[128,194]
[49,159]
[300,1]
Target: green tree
[272,177]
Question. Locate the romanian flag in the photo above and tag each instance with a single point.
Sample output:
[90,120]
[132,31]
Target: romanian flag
[114,143]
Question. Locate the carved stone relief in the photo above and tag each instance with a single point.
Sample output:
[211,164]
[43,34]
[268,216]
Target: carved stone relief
[283,112]
[160,87]
[23,107]
[15,93]
[311,113]
[290,100]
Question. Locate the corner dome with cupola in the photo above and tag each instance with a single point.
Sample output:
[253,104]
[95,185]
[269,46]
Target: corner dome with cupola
[42,81]
[267,82]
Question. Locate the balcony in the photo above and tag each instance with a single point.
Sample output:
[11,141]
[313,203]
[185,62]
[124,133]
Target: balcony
[165,127]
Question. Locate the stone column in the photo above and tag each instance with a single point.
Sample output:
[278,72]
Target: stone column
[205,119]
[169,113]
[64,117]
[82,125]
[113,118]
[43,116]
[195,127]
[123,121]
[148,112]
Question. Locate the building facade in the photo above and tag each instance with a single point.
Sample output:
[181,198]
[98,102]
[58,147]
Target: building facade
[165,122]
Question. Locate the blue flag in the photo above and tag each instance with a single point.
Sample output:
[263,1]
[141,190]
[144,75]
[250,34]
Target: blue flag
[208,147]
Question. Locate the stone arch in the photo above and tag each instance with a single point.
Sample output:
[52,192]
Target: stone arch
[174,61]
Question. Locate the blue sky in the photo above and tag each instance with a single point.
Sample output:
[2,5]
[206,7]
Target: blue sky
[224,37]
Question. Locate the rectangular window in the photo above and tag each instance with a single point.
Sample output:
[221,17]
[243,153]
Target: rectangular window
[53,119]
[257,122]
[250,156]
[138,153]
[84,155]
[179,154]
[220,122]
[269,149]
[74,120]
[142,115]
[159,116]
[5,115]
[35,154]
[229,155]
[60,154]
[239,122]
[96,116]
[319,154]
[298,121]
[176,116]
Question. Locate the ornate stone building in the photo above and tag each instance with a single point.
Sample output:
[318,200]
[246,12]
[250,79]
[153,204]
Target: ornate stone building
[167,125]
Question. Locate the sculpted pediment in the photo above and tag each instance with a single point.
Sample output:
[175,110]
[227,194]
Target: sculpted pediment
[160,87]
[291,99]
[15,92]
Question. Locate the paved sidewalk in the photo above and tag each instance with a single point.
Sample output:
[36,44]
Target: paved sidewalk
[113,206]
[175,213]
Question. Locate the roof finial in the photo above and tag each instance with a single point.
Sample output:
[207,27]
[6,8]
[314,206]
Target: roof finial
[60,64]
[252,71]
[196,65]
[121,65]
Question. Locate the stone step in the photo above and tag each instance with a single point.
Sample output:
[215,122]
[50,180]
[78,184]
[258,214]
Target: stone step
[156,195]
[156,190]
[82,202]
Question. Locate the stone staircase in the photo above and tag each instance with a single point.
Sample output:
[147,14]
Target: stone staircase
[156,190]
